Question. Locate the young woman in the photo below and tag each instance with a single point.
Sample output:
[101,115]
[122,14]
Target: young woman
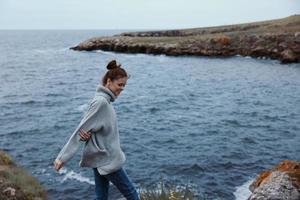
[98,131]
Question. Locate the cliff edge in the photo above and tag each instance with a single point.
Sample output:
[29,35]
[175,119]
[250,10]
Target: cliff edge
[16,183]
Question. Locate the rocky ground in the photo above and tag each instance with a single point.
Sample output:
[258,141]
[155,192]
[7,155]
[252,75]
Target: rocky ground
[274,39]
[280,183]
[16,183]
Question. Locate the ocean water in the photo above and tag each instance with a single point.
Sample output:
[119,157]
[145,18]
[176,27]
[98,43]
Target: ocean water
[211,123]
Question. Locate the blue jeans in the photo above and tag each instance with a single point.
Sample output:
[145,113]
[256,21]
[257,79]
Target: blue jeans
[119,179]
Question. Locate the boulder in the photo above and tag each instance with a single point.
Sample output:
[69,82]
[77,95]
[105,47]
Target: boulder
[280,183]
[288,56]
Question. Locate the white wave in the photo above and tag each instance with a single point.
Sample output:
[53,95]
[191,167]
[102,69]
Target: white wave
[74,176]
[162,58]
[242,192]
[105,52]
[49,50]
[131,55]
[134,55]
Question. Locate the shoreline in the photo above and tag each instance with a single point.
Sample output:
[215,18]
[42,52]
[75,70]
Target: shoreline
[274,39]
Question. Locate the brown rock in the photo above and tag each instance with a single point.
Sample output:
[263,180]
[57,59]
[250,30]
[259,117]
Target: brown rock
[224,40]
[283,45]
[277,186]
[282,182]
[10,191]
[259,51]
[259,180]
[288,56]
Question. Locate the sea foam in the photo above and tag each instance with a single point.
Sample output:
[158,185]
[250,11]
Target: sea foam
[74,176]
[242,192]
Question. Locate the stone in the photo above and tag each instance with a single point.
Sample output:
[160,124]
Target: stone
[280,183]
[283,45]
[288,56]
[10,191]
[277,186]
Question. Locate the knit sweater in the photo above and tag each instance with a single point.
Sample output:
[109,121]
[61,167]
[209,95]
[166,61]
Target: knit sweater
[103,149]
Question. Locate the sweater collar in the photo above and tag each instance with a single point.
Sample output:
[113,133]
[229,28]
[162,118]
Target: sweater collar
[107,93]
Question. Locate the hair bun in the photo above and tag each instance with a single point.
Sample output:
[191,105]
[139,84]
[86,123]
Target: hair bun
[112,65]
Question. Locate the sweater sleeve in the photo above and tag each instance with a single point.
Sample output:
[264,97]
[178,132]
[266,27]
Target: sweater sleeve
[89,122]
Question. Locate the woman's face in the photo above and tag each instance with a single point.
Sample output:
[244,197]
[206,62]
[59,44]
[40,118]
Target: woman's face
[116,86]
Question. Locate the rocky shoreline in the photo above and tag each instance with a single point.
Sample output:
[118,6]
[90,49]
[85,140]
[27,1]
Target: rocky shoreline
[274,39]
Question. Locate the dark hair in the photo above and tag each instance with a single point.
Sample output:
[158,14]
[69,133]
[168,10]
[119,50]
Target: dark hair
[114,72]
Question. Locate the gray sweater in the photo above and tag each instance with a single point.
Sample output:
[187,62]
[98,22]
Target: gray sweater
[103,149]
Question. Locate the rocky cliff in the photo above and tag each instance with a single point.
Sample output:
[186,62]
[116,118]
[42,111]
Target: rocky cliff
[275,39]
[16,183]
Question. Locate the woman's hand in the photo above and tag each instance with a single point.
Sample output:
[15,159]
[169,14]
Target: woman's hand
[58,165]
[85,136]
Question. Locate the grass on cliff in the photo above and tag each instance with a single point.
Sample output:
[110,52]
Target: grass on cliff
[283,25]
[279,26]
[11,176]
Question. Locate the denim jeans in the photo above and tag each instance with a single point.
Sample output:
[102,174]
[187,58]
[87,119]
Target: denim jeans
[119,179]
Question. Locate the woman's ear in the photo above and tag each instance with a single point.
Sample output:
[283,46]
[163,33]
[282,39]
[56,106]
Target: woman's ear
[108,82]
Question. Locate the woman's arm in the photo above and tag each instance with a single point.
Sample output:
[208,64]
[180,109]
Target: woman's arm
[88,123]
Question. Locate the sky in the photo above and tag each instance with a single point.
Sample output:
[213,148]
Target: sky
[139,14]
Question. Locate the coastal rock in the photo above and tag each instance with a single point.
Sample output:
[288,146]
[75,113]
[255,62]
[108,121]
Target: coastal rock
[288,56]
[276,186]
[9,191]
[224,41]
[281,183]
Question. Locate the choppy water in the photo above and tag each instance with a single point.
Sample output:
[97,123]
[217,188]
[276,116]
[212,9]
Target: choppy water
[212,123]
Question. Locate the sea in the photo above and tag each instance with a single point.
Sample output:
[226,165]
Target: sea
[209,124]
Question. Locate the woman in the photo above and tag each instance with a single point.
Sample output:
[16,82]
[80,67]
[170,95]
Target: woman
[98,131]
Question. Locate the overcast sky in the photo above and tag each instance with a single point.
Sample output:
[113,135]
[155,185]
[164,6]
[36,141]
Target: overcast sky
[138,14]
